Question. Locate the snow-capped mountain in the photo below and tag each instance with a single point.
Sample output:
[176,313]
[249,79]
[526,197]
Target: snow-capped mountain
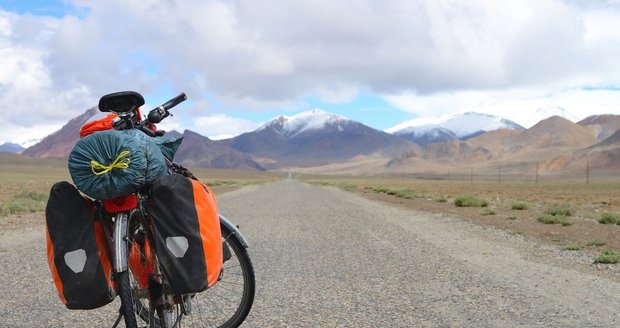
[315,119]
[543,113]
[426,134]
[314,137]
[461,126]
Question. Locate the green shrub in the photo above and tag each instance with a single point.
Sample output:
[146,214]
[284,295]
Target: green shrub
[400,193]
[470,201]
[346,186]
[609,218]
[488,211]
[597,242]
[441,200]
[381,190]
[575,247]
[608,257]
[520,206]
[559,209]
[555,219]
[215,183]
[405,193]
[25,201]
[512,217]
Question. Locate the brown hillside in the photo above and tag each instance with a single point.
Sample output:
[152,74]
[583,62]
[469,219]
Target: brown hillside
[494,139]
[556,132]
[60,143]
[456,151]
[613,140]
[499,143]
[199,151]
[602,126]
[552,138]
[550,143]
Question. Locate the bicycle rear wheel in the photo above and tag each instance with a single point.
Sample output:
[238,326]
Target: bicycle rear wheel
[229,301]
[148,291]
[224,305]
[125,290]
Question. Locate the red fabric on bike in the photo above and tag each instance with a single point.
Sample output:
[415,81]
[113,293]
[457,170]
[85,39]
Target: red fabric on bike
[120,204]
[141,264]
[106,124]
[97,125]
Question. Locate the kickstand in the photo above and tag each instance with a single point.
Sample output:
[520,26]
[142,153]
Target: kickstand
[118,320]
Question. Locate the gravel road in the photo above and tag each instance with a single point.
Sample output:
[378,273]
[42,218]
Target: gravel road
[328,258]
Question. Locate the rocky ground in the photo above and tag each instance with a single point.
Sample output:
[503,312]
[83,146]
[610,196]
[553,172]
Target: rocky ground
[328,258]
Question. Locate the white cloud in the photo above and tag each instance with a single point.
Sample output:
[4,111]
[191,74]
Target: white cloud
[523,106]
[222,126]
[430,57]
[25,136]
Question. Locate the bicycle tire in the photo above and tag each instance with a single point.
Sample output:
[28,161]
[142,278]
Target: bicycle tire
[240,266]
[249,278]
[127,305]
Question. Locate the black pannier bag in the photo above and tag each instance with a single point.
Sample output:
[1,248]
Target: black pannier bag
[188,239]
[76,250]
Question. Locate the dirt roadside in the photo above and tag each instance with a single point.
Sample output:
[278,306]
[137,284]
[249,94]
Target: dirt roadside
[546,240]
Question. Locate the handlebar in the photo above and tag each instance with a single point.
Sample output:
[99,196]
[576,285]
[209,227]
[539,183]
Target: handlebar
[128,119]
[156,115]
[174,101]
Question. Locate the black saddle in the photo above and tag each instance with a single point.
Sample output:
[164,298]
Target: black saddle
[121,102]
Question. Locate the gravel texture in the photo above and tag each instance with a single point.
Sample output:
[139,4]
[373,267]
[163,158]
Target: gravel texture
[327,258]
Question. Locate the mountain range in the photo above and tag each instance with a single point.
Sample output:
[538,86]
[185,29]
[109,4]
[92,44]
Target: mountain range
[9,147]
[314,138]
[462,126]
[322,142]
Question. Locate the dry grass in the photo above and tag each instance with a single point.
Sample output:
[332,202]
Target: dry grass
[23,175]
[25,182]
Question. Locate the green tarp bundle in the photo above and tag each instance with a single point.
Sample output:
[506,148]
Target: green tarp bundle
[110,164]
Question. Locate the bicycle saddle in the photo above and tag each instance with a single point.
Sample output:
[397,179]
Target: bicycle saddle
[121,102]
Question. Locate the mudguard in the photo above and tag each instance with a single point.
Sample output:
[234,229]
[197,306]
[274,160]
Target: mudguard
[235,231]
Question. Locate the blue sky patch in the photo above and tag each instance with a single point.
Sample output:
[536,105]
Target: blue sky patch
[54,8]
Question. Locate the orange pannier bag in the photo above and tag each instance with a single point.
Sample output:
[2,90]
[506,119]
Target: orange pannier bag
[188,239]
[77,252]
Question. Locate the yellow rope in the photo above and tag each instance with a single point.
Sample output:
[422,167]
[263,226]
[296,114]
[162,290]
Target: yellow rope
[119,163]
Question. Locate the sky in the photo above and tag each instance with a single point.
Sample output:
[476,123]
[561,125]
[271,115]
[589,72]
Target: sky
[243,62]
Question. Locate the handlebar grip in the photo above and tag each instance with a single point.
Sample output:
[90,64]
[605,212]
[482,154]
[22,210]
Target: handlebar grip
[174,101]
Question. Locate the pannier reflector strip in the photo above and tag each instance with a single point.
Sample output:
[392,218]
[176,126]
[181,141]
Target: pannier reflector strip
[177,246]
[76,260]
